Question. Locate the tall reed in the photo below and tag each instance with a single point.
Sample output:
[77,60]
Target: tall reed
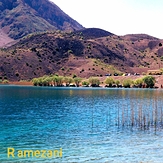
[143,112]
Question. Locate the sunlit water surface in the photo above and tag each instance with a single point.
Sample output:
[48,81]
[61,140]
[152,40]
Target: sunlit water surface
[90,125]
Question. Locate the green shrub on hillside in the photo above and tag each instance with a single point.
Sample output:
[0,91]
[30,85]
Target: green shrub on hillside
[161,58]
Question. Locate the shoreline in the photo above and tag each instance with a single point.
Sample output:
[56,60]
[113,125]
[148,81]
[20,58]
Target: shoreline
[159,81]
[100,86]
[21,83]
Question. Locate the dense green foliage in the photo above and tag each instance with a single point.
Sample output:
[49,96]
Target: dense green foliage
[77,81]
[117,82]
[4,81]
[55,80]
[109,81]
[127,83]
[149,81]
[68,80]
[138,82]
[95,82]
[85,83]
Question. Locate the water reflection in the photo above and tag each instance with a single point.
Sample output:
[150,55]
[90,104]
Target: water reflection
[90,125]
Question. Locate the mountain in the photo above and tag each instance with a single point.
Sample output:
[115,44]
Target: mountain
[37,38]
[87,52]
[19,18]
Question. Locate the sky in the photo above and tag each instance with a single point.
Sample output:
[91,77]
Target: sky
[117,16]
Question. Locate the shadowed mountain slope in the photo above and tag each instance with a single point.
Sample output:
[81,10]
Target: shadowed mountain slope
[82,53]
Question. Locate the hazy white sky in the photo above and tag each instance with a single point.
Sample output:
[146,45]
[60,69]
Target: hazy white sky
[117,16]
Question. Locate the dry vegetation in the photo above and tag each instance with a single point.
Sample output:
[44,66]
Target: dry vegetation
[82,53]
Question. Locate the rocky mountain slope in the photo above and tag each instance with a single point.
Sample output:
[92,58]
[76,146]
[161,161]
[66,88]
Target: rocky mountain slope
[19,18]
[88,52]
[37,38]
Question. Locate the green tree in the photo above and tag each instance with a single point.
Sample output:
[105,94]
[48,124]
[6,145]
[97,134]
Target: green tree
[5,81]
[45,80]
[95,82]
[85,83]
[68,80]
[117,82]
[50,80]
[109,81]
[77,81]
[149,81]
[58,80]
[127,83]
[40,81]
[138,82]
[35,81]
[54,79]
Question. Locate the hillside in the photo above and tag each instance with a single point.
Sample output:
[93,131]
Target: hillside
[90,52]
[19,18]
[4,39]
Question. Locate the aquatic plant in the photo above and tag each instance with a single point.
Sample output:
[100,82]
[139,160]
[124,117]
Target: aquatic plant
[138,114]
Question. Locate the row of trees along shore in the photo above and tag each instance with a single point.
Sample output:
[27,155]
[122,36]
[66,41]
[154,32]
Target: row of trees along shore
[59,81]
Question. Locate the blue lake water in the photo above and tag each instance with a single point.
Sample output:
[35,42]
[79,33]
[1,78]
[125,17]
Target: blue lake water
[88,124]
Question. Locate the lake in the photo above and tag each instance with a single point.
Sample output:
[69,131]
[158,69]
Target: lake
[95,125]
